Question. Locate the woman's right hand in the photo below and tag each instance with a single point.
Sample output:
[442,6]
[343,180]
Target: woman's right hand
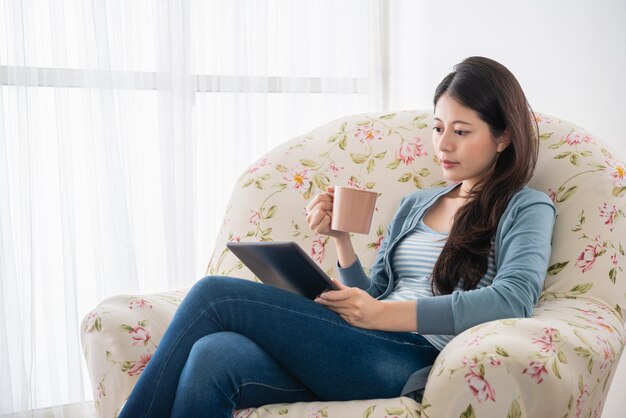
[319,213]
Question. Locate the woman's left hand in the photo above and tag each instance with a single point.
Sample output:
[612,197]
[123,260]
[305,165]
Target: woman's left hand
[354,305]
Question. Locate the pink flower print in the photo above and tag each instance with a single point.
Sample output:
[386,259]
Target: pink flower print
[89,322]
[471,341]
[410,150]
[256,217]
[334,169]
[582,400]
[257,165]
[536,370]
[101,390]
[575,138]
[140,335]
[495,361]
[599,243]
[480,388]
[379,241]
[618,172]
[608,215]
[236,238]
[243,413]
[298,179]
[587,258]
[471,363]
[353,182]
[596,319]
[614,259]
[367,134]
[313,412]
[608,356]
[318,249]
[138,303]
[546,343]
[552,195]
[140,364]
[542,118]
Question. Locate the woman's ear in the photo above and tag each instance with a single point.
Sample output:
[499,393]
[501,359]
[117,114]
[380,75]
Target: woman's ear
[503,141]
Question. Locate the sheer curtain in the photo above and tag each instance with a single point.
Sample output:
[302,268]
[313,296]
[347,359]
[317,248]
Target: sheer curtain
[123,126]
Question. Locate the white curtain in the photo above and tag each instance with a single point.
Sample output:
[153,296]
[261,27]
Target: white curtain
[123,126]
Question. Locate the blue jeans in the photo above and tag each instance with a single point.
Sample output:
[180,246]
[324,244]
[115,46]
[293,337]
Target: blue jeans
[235,344]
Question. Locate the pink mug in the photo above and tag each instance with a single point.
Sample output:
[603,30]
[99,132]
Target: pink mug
[353,210]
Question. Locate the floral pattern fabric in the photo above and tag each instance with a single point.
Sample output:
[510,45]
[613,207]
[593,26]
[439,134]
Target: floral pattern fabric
[559,362]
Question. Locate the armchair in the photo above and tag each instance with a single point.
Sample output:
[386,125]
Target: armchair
[557,363]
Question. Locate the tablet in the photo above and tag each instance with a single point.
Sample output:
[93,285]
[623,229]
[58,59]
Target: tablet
[284,265]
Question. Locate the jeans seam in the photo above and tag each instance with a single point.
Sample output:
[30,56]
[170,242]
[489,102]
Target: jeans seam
[160,372]
[239,387]
[346,325]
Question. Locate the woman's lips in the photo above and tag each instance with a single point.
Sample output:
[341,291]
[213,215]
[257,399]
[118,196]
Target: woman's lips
[448,163]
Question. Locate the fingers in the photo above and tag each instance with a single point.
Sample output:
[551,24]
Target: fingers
[336,295]
[322,197]
[318,220]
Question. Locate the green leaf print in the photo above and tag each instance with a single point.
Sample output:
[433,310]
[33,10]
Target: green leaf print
[405,177]
[501,351]
[574,159]
[394,164]
[369,411]
[567,194]
[556,268]
[424,172]
[358,158]
[308,163]
[514,411]
[555,369]
[395,411]
[417,182]
[468,413]
[563,155]
[581,289]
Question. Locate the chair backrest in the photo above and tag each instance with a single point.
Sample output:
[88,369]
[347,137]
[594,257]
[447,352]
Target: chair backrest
[392,153]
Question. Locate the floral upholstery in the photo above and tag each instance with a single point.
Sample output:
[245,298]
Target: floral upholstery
[558,363]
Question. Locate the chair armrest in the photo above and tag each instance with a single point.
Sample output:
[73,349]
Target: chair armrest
[559,360]
[119,338]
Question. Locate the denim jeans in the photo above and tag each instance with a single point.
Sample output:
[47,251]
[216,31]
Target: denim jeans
[235,344]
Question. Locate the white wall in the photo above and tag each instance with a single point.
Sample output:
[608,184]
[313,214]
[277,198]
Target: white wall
[569,56]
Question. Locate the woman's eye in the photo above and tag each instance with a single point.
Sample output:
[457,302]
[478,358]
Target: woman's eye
[437,129]
[461,133]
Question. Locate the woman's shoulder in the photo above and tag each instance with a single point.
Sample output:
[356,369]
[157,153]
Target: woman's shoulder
[527,196]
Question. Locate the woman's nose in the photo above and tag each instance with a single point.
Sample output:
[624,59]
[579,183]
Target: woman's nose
[445,144]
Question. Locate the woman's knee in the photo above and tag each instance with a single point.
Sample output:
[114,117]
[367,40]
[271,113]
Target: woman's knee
[214,350]
[216,357]
[214,286]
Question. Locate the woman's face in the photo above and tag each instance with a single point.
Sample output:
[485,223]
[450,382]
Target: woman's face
[463,142]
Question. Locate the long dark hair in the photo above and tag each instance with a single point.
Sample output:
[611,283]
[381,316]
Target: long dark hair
[494,93]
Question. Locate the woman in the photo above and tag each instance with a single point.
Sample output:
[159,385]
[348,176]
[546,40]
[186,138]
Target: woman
[234,344]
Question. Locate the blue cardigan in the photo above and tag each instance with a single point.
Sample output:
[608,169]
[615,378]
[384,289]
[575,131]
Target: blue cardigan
[522,252]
